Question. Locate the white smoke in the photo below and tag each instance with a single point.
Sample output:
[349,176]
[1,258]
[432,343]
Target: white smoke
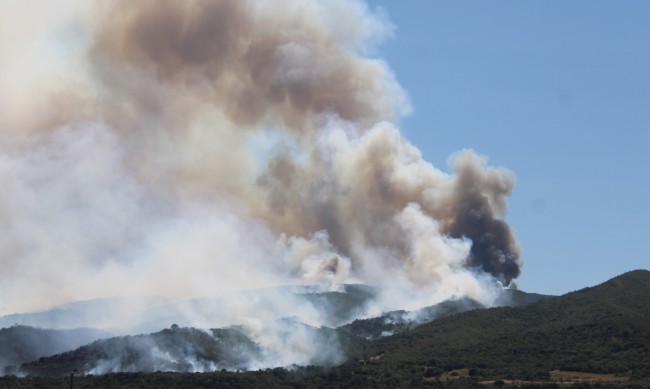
[193,148]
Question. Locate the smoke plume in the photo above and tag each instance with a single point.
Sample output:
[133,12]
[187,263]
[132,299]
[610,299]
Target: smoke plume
[183,148]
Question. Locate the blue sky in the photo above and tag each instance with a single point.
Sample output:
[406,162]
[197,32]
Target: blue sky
[559,93]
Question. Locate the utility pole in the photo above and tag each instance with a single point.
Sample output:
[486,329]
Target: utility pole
[72,380]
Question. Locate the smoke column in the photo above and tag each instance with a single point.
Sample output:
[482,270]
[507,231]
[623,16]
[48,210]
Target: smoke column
[183,148]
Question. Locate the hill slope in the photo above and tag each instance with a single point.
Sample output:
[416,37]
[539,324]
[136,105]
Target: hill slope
[195,350]
[283,343]
[20,344]
[600,330]
[178,349]
[603,329]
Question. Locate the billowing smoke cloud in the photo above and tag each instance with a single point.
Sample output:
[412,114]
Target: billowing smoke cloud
[189,148]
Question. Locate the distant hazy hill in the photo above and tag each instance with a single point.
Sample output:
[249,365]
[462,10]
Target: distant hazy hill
[342,306]
[129,315]
[20,344]
[97,313]
[132,315]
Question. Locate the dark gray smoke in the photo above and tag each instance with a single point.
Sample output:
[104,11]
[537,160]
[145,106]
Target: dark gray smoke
[477,211]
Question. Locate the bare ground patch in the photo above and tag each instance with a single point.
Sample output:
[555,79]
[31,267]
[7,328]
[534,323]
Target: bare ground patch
[578,376]
[567,378]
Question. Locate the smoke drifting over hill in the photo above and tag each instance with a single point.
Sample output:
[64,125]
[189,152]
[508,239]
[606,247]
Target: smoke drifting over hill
[190,148]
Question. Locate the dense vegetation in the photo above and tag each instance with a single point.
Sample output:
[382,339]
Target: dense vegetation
[605,329]
[601,334]
[176,349]
[394,322]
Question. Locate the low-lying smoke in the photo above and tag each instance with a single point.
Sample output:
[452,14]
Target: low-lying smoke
[189,148]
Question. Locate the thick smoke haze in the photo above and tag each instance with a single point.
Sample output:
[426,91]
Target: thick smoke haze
[193,148]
